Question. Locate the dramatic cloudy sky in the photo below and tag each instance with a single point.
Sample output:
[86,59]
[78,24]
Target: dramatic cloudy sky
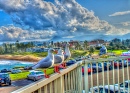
[44,19]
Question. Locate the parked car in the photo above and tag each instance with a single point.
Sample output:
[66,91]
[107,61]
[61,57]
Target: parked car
[89,70]
[5,79]
[117,64]
[78,59]
[108,65]
[113,89]
[96,89]
[14,71]
[94,67]
[4,70]
[35,75]
[106,89]
[126,83]
[27,67]
[70,62]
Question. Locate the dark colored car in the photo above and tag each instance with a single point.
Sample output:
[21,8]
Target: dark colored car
[5,79]
[70,62]
[108,65]
[94,67]
[4,70]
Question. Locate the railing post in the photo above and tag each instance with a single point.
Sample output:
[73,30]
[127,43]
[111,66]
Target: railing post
[97,75]
[118,68]
[108,69]
[123,60]
[128,74]
[86,77]
[91,77]
[80,79]
[74,81]
[60,83]
[51,88]
[69,82]
[45,89]
[71,78]
[55,86]
[103,76]
[39,90]
[113,73]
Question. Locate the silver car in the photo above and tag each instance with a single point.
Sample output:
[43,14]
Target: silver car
[35,75]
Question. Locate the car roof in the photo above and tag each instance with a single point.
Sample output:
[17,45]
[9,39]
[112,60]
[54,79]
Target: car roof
[95,87]
[127,81]
[111,87]
[34,71]
[3,73]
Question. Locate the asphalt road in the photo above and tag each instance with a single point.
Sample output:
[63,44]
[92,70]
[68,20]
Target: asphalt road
[15,85]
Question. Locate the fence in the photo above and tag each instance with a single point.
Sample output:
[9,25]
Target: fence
[74,80]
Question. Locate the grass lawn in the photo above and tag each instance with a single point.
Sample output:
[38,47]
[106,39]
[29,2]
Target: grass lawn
[117,52]
[36,54]
[24,74]
[19,76]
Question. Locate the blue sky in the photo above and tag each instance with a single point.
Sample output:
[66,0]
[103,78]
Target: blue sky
[5,19]
[107,17]
[101,8]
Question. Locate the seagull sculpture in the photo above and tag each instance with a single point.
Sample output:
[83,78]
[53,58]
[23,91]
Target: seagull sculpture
[58,59]
[46,62]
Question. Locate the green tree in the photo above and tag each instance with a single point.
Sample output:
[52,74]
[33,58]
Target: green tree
[1,50]
[91,50]
[85,44]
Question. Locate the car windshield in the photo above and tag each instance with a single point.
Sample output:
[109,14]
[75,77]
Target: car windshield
[4,75]
[39,72]
[99,64]
[32,73]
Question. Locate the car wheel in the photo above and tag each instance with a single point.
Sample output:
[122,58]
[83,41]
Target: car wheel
[94,70]
[10,83]
[34,79]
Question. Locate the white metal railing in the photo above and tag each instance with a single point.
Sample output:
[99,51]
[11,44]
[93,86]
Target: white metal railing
[72,80]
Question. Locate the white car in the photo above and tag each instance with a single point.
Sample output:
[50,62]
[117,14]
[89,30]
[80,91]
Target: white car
[96,89]
[126,85]
[106,89]
[35,75]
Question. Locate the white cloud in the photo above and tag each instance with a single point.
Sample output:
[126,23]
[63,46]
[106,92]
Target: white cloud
[120,13]
[60,18]
[125,23]
[12,33]
[69,37]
